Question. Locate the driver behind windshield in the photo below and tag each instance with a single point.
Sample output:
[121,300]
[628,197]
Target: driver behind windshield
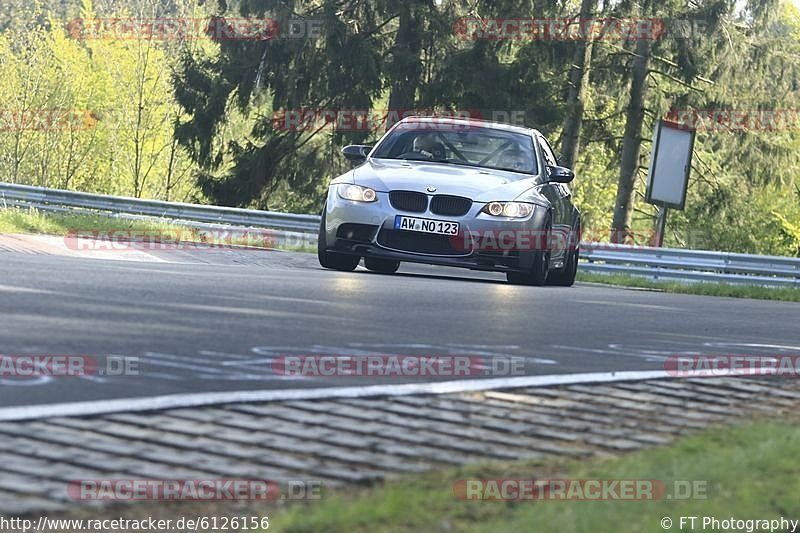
[515,158]
[429,146]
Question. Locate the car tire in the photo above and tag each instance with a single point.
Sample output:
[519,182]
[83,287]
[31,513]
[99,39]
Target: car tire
[565,277]
[537,275]
[384,266]
[539,271]
[333,260]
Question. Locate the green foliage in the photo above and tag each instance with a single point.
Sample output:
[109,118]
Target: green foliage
[195,119]
[762,486]
[790,231]
[94,115]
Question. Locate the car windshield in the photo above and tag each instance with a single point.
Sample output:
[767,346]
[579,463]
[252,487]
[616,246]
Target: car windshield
[472,146]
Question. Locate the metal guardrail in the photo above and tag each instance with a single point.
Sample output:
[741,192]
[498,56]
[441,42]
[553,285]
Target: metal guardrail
[26,195]
[690,265]
[654,263]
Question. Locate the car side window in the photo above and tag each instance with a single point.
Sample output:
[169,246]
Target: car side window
[549,156]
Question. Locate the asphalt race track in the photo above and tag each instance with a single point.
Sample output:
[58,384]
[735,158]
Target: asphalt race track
[216,321]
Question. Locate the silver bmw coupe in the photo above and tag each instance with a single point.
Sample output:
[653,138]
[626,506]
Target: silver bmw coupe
[454,192]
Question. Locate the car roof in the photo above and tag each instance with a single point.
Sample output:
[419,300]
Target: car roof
[470,122]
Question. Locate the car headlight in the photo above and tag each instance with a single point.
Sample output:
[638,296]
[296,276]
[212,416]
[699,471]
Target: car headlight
[508,209]
[357,193]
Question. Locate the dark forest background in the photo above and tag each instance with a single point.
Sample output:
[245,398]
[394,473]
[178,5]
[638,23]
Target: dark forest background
[194,119]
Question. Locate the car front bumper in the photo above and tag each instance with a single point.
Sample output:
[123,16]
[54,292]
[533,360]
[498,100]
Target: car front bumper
[367,229]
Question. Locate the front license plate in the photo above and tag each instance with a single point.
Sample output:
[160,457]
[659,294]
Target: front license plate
[425,225]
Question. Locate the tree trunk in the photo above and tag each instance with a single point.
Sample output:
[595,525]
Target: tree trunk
[578,80]
[631,145]
[405,67]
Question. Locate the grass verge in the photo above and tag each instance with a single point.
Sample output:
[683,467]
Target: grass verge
[749,472]
[787,294]
[14,220]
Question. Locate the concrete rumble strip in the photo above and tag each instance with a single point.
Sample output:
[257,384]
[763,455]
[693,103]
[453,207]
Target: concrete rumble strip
[363,441]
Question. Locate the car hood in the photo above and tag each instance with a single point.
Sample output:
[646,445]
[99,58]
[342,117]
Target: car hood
[479,184]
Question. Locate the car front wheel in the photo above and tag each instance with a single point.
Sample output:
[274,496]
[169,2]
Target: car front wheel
[540,268]
[333,260]
[565,277]
[536,276]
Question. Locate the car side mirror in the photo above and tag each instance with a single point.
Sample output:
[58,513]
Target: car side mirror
[560,174]
[355,153]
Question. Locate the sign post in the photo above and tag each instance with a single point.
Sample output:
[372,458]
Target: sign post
[668,176]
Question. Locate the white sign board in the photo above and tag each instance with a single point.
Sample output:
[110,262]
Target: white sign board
[670,163]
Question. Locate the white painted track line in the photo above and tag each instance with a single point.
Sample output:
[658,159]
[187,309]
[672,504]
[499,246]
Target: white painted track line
[175,401]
